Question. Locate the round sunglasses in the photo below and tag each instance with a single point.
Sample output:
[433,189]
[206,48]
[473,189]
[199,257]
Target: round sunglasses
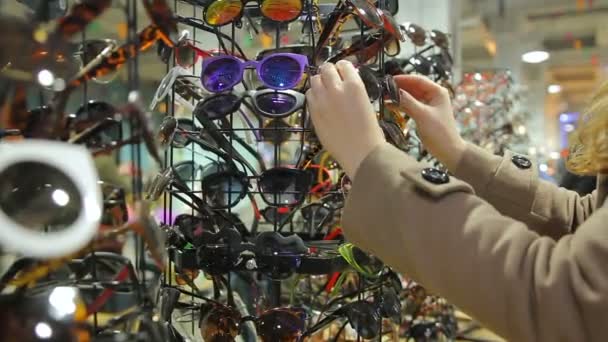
[279,71]
[267,102]
[223,12]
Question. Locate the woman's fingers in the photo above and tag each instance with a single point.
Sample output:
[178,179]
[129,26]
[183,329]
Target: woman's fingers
[412,107]
[347,71]
[331,78]
[420,87]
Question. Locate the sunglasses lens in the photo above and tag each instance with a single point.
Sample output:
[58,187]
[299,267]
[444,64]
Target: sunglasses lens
[416,34]
[221,74]
[218,107]
[368,262]
[367,12]
[276,104]
[187,172]
[280,72]
[315,213]
[284,187]
[280,325]
[223,192]
[391,25]
[39,196]
[222,12]
[440,39]
[392,89]
[218,323]
[390,305]
[364,319]
[185,55]
[370,82]
[281,10]
[276,132]
[392,48]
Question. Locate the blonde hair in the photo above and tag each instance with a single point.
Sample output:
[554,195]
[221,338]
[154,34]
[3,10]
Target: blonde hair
[589,142]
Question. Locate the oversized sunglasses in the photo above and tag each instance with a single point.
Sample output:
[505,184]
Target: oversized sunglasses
[419,36]
[278,186]
[40,193]
[278,71]
[223,12]
[267,102]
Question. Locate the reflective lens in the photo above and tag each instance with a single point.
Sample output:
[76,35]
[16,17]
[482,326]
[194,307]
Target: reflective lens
[188,171]
[222,12]
[282,186]
[276,132]
[39,196]
[281,10]
[219,323]
[223,191]
[217,107]
[276,104]
[281,325]
[221,74]
[364,318]
[280,72]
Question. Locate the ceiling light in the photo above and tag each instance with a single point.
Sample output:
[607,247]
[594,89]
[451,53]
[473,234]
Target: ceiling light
[535,57]
[554,89]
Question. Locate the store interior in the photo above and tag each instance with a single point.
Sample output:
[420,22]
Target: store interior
[161,178]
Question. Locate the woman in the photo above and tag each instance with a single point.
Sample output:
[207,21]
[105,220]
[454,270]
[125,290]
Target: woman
[525,258]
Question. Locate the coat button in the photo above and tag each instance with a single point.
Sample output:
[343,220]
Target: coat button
[521,162]
[435,176]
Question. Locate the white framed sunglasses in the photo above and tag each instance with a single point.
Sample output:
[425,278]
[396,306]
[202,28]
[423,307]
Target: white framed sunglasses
[50,202]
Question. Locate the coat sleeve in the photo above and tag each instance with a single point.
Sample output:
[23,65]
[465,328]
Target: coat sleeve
[521,285]
[517,192]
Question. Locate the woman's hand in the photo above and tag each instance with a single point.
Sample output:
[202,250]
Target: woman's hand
[429,105]
[344,118]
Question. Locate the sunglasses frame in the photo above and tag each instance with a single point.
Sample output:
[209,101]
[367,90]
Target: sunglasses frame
[242,11]
[302,61]
[76,163]
[300,99]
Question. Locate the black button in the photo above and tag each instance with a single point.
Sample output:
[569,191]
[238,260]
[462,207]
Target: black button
[521,162]
[435,176]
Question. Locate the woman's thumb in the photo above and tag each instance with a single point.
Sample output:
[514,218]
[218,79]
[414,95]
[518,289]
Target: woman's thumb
[412,107]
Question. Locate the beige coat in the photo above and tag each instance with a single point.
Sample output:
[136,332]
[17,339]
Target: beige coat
[497,242]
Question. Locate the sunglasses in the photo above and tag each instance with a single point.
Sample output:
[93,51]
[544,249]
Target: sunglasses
[365,316]
[278,71]
[223,12]
[219,322]
[366,49]
[419,36]
[379,87]
[279,186]
[110,60]
[267,102]
[300,49]
[39,193]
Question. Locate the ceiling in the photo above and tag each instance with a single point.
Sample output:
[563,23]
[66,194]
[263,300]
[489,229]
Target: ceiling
[575,32]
